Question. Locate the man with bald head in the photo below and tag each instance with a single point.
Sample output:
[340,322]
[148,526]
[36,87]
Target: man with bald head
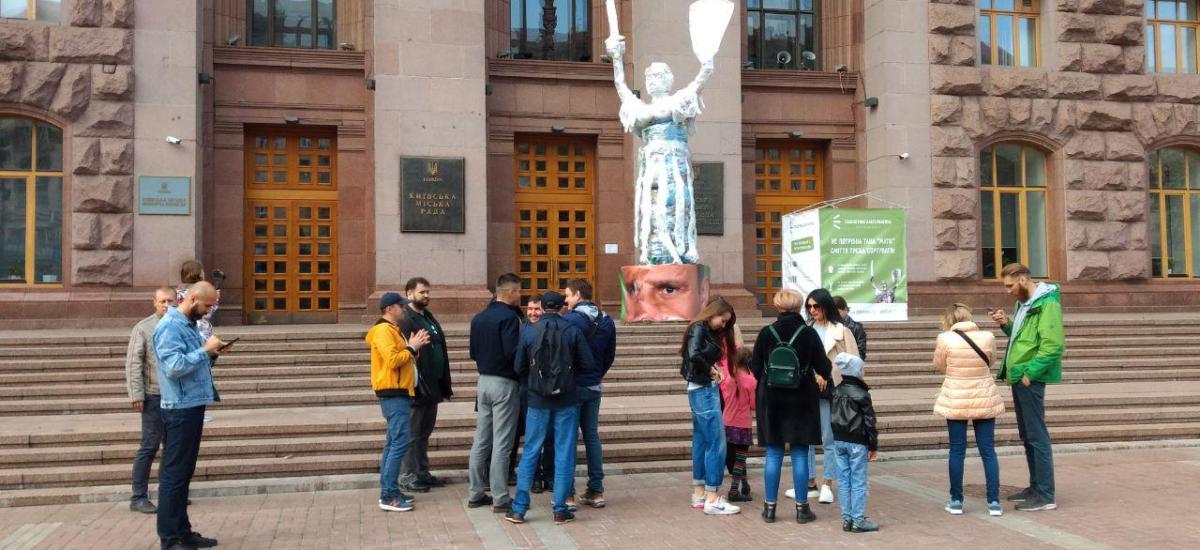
[185,381]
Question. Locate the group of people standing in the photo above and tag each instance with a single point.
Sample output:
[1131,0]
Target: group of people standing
[804,383]
[540,379]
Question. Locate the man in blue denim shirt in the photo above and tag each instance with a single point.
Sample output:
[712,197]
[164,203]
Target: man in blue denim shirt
[185,380]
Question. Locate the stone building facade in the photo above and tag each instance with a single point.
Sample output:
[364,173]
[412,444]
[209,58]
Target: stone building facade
[292,131]
[1091,107]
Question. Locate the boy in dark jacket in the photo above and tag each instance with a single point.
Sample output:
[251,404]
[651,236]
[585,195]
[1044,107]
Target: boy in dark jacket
[600,333]
[855,442]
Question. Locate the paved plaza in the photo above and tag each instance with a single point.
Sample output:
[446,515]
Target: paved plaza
[1133,498]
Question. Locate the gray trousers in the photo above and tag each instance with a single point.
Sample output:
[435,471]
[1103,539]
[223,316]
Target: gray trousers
[416,461]
[498,403]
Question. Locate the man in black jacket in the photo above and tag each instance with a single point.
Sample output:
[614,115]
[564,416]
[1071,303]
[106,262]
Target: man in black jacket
[856,328]
[495,333]
[433,386]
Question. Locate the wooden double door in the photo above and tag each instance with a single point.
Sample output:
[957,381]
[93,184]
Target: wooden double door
[291,246]
[555,185]
[788,176]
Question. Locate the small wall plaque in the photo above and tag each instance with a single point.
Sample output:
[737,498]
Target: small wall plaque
[167,196]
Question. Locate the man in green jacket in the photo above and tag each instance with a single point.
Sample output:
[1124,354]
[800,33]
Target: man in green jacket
[1033,359]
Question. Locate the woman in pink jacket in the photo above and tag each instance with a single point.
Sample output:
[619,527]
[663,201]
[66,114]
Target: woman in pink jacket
[965,354]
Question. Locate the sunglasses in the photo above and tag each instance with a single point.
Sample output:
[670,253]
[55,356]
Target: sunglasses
[813,306]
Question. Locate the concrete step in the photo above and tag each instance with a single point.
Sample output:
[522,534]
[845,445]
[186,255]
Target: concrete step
[615,453]
[460,438]
[302,393]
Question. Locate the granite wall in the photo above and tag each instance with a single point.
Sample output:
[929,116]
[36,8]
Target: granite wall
[78,74]
[1090,106]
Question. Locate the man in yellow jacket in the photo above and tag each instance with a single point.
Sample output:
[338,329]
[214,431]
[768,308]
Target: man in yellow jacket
[394,379]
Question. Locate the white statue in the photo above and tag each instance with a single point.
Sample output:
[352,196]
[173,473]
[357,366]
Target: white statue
[665,212]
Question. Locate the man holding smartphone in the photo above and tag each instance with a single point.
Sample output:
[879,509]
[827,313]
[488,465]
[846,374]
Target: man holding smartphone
[1033,359]
[185,379]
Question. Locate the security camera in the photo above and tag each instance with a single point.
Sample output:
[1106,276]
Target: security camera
[174,140]
[903,156]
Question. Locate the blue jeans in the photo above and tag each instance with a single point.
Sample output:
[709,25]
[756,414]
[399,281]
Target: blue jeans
[566,425]
[985,431]
[708,437]
[152,438]
[852,479]
[589,424]
[182,429]
[398,413]
[830,463]
[774,467]
[1030,406]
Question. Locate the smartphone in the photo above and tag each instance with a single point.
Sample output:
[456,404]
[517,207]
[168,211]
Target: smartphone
[229,343]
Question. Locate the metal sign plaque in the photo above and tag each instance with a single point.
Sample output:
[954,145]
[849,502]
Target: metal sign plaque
[431,195]
[709,192]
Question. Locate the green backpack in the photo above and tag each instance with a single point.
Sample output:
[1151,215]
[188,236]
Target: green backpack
[783,365]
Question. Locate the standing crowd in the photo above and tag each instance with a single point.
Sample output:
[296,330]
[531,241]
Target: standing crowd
[540,386]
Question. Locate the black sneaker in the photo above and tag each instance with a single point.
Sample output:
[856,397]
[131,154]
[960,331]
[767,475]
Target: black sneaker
[538,487]
[433,481]
[513,517]
[739,497]
[144,506]
[415,486]
[1023,494]
[563,517]
[847,525]
[485,500]
[198,540]
[864,525]
[503,507]
[1036,504]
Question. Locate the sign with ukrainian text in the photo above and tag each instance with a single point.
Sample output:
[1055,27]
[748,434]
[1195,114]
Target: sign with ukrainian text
[857,253]
[431,195]
[164,196]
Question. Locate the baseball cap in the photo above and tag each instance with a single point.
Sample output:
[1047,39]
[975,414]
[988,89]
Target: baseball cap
[552,301]
[391,299]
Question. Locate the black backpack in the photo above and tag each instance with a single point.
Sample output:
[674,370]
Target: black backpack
[784,370]
[550,363]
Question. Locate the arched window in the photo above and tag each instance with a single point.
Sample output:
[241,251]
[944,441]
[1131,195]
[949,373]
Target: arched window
[1012,204]
[31,202]
[1175,212]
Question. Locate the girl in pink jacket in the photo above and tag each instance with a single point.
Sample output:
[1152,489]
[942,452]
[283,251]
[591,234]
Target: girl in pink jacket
[737,394]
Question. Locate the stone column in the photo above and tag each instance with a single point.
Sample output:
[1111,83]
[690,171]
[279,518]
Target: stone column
[429,67]
[167,103]
[897,72]
[660,34]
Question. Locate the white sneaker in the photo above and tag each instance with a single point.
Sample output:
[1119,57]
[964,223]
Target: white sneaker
[698,502]
[720,508]
[826,495]
[790,493]
[813,492]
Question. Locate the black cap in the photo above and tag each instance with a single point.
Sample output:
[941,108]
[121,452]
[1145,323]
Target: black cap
[391,299]
[552,301]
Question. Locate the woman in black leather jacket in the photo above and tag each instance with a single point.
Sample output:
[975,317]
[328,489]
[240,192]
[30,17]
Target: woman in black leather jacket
[709,337]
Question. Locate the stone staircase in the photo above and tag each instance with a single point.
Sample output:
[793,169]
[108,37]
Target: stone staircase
[297,401]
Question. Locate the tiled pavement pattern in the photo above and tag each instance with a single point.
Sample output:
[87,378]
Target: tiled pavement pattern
[1109,499]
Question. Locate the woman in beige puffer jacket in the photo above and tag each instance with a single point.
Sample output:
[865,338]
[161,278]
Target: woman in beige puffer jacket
[969,393]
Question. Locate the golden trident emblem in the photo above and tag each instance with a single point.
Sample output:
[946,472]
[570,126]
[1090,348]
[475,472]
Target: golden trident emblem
[433,168]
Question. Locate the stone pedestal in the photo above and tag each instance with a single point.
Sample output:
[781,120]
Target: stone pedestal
[668,292]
